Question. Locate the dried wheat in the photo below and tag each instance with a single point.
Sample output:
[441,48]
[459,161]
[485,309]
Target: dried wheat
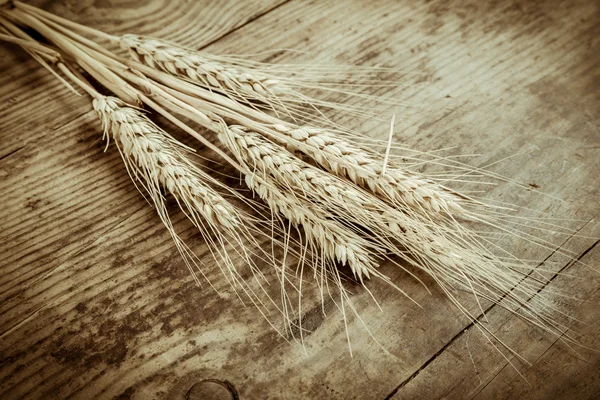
[325,236]
[365,167]
[336,214]
[454,259]
[156,160]
[199,68]
[145,144]
[330,150]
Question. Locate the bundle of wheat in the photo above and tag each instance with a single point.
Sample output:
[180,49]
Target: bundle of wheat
[352,205]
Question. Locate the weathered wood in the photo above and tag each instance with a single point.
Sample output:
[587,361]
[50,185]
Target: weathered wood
[96,302]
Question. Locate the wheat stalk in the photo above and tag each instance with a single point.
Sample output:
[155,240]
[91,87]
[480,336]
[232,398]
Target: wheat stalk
[324,236]
[156,161]
[452,258]
[328,237]
[330,150]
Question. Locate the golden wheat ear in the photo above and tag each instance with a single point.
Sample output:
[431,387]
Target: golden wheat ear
[455,259]
[370,170]
[154,157]
[327,236]
[201,69]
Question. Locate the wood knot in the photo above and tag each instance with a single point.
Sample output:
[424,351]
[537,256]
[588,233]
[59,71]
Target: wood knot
[212,389]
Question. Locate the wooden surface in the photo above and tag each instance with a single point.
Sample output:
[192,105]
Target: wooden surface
[96,303]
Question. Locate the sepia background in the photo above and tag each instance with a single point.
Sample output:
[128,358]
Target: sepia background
[95,301]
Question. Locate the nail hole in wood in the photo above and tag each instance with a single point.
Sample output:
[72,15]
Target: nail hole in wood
[212,389]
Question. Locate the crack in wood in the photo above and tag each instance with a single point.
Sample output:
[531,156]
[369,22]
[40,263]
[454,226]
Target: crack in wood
[254,18]
[12,152]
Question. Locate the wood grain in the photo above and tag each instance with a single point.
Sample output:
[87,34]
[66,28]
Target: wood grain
[96,302]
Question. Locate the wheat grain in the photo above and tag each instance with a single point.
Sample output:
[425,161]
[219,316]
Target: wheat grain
[328,241]
[454,258]
[342,198]
[155,161]
[269,158]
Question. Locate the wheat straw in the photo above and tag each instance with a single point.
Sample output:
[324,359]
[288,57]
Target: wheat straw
[283,88]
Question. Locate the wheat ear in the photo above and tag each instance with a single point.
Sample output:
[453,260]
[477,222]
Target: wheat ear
[331,239]
[452,257]
[324,236]
[151,149]
[199,68]
[371,171]
[363,166]
[455,258]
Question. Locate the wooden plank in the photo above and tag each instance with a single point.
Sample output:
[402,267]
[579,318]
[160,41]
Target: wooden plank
[119,314]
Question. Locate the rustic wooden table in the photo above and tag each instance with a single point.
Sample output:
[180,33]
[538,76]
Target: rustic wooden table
[96,303]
